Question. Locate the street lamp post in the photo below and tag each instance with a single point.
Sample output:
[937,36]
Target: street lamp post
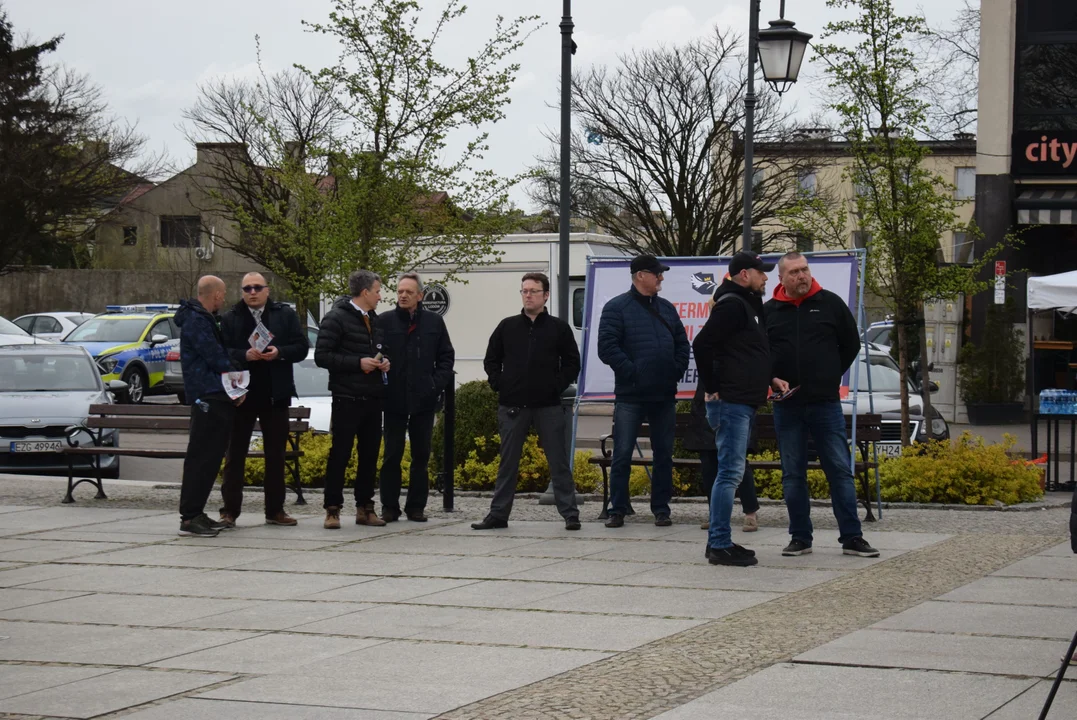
[781,50]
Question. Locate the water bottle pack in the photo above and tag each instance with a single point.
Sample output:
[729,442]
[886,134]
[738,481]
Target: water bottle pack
[1058,402]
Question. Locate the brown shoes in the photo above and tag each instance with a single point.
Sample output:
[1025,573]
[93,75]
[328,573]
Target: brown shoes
[389,515]
[281,518]
[417,516]
[332,518]
[228,520]
[365,515]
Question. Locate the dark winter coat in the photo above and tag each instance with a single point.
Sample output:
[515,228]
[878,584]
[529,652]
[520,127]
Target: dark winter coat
[270,380]
[643,340]
[202,354]
[732,352]
[343,340]
[813,342]
[529,363]
[421,359]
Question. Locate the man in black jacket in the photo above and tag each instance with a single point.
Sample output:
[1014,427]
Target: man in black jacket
[423,358]
[204,360]
[813,341]
[733,359]
[350,347]
[532,358]
[269,394]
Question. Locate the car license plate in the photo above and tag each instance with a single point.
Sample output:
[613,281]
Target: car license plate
[36,446]
[889,449]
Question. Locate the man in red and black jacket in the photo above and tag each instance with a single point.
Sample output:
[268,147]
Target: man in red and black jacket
[813,342]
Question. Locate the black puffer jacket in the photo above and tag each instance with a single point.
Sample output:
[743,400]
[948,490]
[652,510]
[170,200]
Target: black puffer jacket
[269,379]
[343,340]
[732,351]
[422,359]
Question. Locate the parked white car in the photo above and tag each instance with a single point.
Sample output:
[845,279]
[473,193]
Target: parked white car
[312,387]
[12,334]
[53,325]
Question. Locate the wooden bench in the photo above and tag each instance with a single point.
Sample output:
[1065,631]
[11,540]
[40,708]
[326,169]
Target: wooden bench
[868,430]
[160,417]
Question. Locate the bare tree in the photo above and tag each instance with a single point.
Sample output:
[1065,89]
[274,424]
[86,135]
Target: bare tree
[266,173]
[951,60]
[658,157]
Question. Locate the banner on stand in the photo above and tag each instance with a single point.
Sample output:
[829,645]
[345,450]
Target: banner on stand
[689,285]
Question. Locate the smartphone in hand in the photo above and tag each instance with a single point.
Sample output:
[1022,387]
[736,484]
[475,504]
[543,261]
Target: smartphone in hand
[778,397]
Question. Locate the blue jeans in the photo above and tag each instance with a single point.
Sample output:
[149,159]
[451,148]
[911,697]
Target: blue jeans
[627,418]
[734,426]
[824,423]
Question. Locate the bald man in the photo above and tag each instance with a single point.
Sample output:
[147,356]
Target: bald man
[203,358]
[268,396]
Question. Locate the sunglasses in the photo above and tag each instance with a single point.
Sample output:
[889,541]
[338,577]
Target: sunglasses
[251,289]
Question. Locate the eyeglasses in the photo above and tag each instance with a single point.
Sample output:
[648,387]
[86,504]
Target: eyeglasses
[251,289]
[652,272]
[532,292]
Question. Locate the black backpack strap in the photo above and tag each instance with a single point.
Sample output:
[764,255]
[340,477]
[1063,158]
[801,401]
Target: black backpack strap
[653,311]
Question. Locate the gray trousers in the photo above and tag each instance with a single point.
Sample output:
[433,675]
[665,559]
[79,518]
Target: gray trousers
[549,423]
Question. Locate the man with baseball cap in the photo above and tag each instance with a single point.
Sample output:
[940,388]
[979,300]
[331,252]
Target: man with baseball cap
[733,360]
[641,337]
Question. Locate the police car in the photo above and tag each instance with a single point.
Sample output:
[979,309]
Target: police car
[130,343]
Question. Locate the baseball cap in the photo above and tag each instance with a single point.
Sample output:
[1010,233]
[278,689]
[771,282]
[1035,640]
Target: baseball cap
[746,260]
[649,263]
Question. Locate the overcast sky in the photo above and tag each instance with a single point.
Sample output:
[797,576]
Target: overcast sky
[150,55]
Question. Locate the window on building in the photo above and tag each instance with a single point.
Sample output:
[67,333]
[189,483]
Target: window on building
[804,243]
[861,239]
[861,189]
[757,241]
[965,180]
[806,181]
[130,235]
[758,176]
[1050,16]
[181,231]
[962,248]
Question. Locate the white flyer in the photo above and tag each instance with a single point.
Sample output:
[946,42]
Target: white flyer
[235,383]
[260,338]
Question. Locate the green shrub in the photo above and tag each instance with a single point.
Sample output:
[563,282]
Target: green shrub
[312,465]
[966,472]
[768,483]
[479,471]
[476,417]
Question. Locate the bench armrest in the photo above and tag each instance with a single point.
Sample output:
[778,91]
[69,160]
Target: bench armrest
[602,444]
[72,430]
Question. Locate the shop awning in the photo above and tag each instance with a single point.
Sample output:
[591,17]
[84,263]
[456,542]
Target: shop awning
[1047,206]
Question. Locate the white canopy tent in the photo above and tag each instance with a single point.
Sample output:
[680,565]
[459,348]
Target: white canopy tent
[1053,292]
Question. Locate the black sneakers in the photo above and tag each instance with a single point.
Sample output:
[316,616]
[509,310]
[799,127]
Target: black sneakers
[796,547]
[219,525]
[200,526]
[751,553]
[615,521]
[490,523]
[736,556]
[572,523]
[662,520]
[859,546]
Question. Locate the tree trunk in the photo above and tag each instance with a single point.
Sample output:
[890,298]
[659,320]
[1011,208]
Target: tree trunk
[925,373]
[903,369]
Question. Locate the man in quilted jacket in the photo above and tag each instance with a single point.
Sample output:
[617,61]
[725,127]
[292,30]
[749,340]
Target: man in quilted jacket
[641,337]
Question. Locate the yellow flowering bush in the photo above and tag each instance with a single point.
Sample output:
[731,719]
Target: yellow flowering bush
[478,473]
[312,465]
[966,472]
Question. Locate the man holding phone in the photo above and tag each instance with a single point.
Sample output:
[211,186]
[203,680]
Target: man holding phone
[813,341]
[349,346]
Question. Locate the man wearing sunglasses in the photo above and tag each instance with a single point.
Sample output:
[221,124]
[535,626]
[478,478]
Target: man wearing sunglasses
[268,396]
[641,337]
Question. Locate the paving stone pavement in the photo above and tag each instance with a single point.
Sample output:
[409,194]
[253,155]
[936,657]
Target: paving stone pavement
[105,613]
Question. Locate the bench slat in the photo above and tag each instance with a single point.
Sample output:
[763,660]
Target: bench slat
[159,454]
[153,423]
[297,413]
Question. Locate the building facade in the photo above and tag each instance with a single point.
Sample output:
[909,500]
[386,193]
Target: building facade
[1026,165]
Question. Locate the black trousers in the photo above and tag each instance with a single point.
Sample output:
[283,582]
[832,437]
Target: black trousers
[353,421]
[708,468]
[419,429]
[274,422]
[211,425]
